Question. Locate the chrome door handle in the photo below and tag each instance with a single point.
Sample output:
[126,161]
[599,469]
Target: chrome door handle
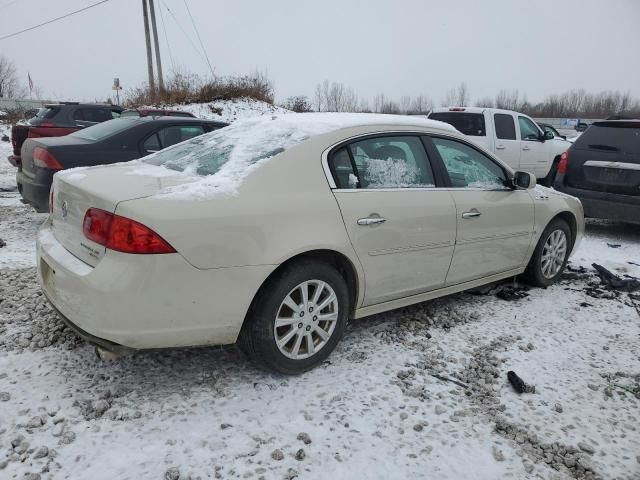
[499,147]
[471,214]
[526,147]
[371,220]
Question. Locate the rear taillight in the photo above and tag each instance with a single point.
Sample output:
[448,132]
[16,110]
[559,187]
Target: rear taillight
[122,234]
[457,109]
[45,159]
[562,165]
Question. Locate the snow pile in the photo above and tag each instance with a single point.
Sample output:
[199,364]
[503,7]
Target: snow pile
[228,110]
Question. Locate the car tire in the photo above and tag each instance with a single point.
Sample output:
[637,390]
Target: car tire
[305,336]
[550,257]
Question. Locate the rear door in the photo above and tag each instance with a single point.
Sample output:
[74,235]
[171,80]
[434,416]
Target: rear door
[507,142]
[401,227]
[494,222]
[606,158]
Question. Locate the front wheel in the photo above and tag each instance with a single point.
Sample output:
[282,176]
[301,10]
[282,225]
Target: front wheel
[297,319]
[551,254]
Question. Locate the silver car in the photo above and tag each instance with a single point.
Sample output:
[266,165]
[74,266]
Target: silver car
[273,232]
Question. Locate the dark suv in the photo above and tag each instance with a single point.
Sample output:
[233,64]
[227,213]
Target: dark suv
[59,119]
[602,169]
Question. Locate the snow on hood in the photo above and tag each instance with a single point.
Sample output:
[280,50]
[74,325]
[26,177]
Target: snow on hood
[222,159]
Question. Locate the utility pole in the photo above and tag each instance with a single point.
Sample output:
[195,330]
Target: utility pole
[157,45]
[152,84]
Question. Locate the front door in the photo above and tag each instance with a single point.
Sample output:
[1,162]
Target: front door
[401,227]
[534,158]
[494,221]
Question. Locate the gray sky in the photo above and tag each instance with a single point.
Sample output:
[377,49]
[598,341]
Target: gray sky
[401,47]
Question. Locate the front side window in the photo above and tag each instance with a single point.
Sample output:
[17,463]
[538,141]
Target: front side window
[468,168]
[383,162]
[505,126]
[528,129]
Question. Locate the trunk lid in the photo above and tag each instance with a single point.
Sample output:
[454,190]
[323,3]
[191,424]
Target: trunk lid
[76,190]
[52,145]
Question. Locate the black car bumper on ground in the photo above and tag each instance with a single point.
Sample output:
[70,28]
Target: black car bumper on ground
[605,205]
[35,189]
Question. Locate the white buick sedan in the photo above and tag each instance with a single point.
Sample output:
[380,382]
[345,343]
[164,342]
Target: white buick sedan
[273,232]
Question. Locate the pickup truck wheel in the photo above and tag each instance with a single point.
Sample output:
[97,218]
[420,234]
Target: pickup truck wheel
[550,256]
[297,319]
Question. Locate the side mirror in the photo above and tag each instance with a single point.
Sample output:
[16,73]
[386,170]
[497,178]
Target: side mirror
[524,180]
[548,135]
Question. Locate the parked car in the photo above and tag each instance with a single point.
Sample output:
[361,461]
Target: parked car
[602,169]
[56,120]
[155,112]
[118,140]
[513,136]
[274,231]
[546,127]
[581,126]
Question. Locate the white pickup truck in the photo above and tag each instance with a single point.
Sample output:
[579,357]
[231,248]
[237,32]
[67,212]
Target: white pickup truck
[514,137]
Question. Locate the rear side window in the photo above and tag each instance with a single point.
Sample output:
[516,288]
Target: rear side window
[505,126]
[612,138]
[176,134]
[383,162]
[471,124]
[96,115]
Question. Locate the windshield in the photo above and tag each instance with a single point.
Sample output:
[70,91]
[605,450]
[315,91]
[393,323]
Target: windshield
[43,114]
[104,129]
[241,145]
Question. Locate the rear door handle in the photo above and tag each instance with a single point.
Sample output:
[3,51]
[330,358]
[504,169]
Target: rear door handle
[371,220]
[526,147]
[499,147]
[471,214]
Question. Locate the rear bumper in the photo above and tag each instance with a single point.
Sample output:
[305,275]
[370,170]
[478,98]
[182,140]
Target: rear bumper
[609,206]
[35,190]
[145,301]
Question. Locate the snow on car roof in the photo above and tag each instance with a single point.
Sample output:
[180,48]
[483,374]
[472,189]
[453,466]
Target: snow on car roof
[222,159]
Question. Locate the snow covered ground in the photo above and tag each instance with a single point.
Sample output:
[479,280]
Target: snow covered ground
[374,410]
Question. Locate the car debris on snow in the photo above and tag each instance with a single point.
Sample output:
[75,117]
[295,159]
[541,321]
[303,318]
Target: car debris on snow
[518,384]
[613,281]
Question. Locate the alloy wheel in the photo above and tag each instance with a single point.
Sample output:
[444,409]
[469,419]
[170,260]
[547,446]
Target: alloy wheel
[306,319]
[553,253]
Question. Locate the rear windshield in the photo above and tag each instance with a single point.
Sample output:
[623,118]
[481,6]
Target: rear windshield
[104,129]
[240,146]
[43,114]
[623,138]
[471,124]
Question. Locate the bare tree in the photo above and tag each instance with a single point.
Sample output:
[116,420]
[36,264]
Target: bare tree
[421,104]
[463,95]
[8,78]
[405,104]
[486,102]
[299,104]
[507,100]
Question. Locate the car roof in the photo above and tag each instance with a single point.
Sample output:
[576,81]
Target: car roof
[332,121]
[83,105]
[167,119]
[628,123]
[454,109]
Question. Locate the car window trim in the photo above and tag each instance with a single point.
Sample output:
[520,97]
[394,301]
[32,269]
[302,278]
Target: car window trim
[327,165]
[449,186]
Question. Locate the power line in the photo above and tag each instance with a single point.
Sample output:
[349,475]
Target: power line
[166,39]
[199,39]
[53,20]
[183,30]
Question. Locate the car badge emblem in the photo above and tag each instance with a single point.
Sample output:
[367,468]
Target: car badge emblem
[64,209]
